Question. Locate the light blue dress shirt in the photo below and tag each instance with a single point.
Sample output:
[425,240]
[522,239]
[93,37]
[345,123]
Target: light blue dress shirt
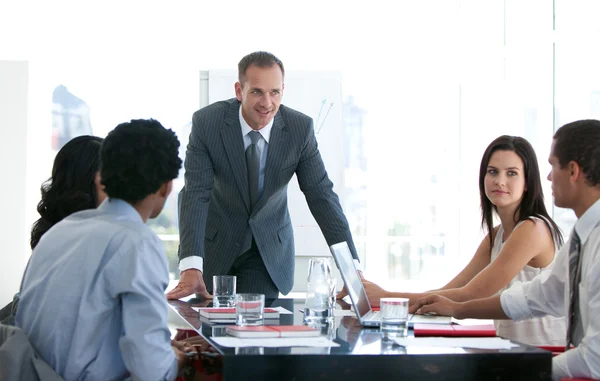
[92,298]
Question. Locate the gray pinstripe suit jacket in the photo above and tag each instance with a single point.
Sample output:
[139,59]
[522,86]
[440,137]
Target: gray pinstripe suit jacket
[214,204]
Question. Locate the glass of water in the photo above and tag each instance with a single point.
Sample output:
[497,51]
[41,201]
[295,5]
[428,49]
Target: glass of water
[224,290]
[249,309]
[394,317]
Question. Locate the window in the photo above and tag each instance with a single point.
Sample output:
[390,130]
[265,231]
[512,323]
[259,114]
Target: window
[426,86]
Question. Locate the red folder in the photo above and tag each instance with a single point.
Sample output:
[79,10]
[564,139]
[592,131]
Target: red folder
[273,331]
[555,349]
[455,330]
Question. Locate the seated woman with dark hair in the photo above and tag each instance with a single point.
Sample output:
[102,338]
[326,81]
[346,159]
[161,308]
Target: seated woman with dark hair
[73,186]
[522,246]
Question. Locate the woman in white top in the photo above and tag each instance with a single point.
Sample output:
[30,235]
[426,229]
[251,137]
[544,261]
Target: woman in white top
[521,247]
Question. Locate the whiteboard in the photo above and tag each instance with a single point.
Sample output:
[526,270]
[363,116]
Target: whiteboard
[317,94]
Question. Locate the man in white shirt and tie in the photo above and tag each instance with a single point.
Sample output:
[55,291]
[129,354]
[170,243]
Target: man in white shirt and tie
[575,176]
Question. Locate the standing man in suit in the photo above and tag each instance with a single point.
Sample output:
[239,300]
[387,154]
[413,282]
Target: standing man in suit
[233,212]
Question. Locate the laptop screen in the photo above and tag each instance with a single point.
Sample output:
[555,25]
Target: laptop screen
[343,258]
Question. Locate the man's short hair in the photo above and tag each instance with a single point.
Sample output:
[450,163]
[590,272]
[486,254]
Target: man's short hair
[260,59]
[137,158]
[580,142]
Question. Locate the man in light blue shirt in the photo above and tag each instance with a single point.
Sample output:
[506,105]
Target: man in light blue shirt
[92,298]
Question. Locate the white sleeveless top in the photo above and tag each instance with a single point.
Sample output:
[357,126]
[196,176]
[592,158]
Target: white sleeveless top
[547,330]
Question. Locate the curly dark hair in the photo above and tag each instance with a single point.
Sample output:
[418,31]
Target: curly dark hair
[71,187]
[580,142]
[532,203]
[137,158]
[260,59]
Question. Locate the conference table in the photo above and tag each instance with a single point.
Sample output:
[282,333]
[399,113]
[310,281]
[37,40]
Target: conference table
[361,354]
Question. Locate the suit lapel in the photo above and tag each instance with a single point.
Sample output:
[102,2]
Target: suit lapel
[278,147]
[234,146]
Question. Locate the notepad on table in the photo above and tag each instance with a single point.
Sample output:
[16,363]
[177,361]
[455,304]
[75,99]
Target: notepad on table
[454,330]
[229,313]
[273,331]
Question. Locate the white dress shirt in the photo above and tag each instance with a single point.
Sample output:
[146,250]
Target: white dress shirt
[544,330]
[549,294]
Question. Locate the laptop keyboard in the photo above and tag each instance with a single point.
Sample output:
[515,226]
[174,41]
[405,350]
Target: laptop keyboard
[374,316]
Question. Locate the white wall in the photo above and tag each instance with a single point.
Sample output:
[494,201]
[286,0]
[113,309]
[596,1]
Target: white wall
[13,154]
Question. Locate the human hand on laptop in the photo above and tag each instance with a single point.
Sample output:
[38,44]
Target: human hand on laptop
[374,293]
[343,292]
[434,304]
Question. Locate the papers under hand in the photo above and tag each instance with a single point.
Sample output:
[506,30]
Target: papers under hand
[468,321]
[460,342]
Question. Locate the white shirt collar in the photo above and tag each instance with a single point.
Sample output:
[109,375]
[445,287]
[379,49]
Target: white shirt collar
[588,221]
[265,131]
[122,208]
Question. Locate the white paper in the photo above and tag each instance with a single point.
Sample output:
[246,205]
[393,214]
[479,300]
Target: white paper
[320,341]
[468,322]
[282,311]
[463,342]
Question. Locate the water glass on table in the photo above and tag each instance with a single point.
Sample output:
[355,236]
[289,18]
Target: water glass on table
[394,317]
[249,309]
[224,290]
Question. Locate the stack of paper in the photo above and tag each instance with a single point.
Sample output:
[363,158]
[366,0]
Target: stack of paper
[455,330]
[460,342]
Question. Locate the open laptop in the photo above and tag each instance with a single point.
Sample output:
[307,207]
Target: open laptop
[366,316]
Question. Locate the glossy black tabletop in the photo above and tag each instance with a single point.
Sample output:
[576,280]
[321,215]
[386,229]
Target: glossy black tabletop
[362,354]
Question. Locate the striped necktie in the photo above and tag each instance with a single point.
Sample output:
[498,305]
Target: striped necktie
[253,163]
[574,278]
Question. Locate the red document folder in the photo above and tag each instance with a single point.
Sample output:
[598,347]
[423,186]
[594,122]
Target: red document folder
[273,331]
[555,349]
[455,330]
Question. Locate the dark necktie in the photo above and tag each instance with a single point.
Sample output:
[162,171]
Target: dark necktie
[574,277]
[253,163]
